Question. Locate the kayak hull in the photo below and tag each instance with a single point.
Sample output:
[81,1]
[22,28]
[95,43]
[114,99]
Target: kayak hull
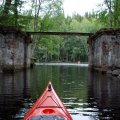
[47,105]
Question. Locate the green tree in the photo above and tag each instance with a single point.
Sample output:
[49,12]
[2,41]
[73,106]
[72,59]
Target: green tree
[10,11]
[109,15]
[116,13]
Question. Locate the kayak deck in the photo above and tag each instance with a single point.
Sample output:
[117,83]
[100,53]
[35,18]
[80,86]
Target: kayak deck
[47,117]
[48,107]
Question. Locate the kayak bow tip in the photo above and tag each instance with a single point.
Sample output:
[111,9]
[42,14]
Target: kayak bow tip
[49,86]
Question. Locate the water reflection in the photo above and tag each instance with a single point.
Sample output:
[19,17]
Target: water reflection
[12,91]
[104,94]
[87,95]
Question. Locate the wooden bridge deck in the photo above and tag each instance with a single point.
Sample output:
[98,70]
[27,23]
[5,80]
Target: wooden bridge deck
[60,33]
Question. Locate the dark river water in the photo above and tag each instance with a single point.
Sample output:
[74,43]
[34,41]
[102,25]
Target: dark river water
[88,95]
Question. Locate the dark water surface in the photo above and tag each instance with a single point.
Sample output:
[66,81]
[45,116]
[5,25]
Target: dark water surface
[87,95]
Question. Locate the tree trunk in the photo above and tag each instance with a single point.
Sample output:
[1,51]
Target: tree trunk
[110,14]
[16,12]
[109,5]
[7,7]
[37,10]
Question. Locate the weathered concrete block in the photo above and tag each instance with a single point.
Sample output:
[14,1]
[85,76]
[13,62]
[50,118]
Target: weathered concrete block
[104,49]
[14,49]
[115,72]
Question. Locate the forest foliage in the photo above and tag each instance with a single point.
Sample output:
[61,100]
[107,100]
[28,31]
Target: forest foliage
[48,16]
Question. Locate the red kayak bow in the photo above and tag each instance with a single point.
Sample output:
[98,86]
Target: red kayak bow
[48,107]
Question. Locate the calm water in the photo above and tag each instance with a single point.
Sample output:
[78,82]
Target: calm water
[87,95]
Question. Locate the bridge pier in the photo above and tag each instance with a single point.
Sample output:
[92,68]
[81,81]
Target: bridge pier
[104,51]
[14,49]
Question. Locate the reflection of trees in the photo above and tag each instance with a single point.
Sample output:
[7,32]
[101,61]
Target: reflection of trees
[67,81]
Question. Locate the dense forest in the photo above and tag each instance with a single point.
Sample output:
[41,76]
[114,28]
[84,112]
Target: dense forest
[48,15]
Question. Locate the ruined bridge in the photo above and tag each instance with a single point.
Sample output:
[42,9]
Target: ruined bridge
[15,49]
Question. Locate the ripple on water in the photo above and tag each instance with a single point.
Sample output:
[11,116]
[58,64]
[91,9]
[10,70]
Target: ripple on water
[81,110]
[27,103]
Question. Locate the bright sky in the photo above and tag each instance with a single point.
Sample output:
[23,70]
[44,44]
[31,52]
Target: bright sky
[80,6]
